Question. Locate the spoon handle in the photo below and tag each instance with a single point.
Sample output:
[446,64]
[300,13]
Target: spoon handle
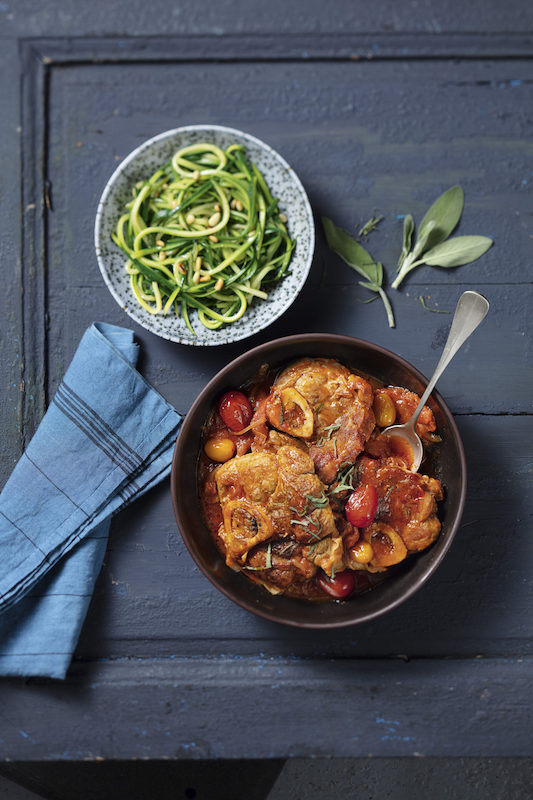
[471,309]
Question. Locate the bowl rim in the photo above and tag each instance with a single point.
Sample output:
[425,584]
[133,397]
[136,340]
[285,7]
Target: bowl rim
[303,272]
[305,338]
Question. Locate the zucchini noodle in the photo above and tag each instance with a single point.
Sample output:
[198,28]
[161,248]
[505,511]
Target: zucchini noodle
[203,233]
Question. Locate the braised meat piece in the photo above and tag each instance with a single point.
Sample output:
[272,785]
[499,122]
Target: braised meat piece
[274,440]
[407,501]
[330,407]
[265,495]
[279,566]
[406,403]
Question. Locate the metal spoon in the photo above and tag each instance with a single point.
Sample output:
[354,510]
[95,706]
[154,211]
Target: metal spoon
[470,311]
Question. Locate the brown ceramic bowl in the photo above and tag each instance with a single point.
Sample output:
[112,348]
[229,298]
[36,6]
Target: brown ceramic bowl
[407,577]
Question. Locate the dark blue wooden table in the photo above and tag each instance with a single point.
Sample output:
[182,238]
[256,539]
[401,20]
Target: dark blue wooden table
[376,108]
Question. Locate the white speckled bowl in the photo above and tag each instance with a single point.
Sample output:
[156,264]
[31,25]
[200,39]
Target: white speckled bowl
[283,183]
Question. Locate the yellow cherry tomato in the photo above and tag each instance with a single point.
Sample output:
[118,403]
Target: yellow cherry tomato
[219,449]
[384,409]
[362,552]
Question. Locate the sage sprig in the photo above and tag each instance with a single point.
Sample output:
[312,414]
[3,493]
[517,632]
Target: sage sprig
[432,245]
[360,260]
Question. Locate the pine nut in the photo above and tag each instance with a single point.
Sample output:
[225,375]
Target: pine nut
[217,207]
[204,279]
[162,255]
[189,219]
[160,243]
[196,277]
[283,218]
[198,264]
[233,204]
[219,284]
[238,205]
[196,174]
[213,238]
[214,220]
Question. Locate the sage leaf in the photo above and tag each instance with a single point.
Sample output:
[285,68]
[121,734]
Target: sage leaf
[423,240]
[360,260]
[445,213]
[457,251]
[432,245]
[408,230]
[351,252]
[371,286]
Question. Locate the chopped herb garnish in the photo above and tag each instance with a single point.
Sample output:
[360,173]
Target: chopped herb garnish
[317,501]
[319,407]
[300,513]
[311,550]
[287,549]
[281,411]
[306,523]
[268,563]
[346,478]
[334,440]
[330,431]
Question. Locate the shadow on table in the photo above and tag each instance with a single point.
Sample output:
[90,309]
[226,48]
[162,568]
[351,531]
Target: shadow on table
[154,780]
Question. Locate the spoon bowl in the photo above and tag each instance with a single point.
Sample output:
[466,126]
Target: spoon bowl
[406,443]
[470,311]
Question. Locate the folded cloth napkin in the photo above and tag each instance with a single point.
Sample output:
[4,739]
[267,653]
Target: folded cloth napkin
[106,438]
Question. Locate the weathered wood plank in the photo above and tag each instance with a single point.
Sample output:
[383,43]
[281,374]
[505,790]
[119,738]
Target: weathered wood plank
[502,343]
[215,708]
[11,305]
[230,16]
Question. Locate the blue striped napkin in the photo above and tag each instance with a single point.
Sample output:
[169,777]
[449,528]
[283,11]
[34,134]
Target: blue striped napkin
[106,438]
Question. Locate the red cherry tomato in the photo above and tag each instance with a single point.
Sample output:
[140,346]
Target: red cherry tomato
[235,410]
[361,506]
[339,587]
